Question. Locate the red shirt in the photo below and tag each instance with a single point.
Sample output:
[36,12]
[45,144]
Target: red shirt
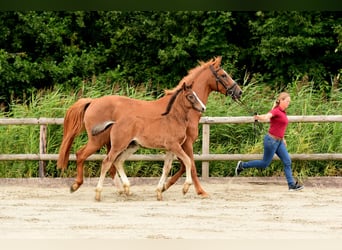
[278,122]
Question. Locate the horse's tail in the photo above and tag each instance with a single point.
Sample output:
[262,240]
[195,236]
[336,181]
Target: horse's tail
[73,126]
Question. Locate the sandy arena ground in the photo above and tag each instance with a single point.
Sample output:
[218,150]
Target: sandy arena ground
[238,208]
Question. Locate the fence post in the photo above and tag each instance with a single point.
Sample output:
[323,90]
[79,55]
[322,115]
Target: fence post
[42,149]
[205,149]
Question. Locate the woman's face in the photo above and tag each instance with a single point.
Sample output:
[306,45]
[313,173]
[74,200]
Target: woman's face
[284,103]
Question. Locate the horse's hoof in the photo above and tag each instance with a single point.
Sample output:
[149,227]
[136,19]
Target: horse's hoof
[74,187]
[204,195]
[186,188]
[98,196]
[159,195]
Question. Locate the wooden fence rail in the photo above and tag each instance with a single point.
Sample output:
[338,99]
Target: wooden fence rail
[205,156]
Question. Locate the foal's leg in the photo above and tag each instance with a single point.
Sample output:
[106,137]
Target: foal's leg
[166,170]
[118,164]
[106,164]
[188,148]
[179,152]
[123,176]
[116,179]
[112,172]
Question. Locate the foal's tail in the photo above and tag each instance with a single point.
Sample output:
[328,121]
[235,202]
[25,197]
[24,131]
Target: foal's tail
[73,125]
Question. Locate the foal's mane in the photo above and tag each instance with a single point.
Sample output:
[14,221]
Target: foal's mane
[172,100]
[193,73]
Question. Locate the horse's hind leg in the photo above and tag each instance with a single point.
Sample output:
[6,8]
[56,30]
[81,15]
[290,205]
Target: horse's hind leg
[81,155]
[175,177]
[166,170]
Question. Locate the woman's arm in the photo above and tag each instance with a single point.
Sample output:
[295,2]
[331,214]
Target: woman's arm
[264,117]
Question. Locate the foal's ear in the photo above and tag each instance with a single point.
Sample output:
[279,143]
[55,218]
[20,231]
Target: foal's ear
[185,87]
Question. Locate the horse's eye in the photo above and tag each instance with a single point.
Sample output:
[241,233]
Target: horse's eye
[224,76]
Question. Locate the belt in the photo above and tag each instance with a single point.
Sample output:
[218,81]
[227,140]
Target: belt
[275,137]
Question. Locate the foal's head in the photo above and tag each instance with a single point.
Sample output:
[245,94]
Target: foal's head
[189,95]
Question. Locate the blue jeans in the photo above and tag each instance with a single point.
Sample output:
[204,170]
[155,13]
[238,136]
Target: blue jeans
[271,147]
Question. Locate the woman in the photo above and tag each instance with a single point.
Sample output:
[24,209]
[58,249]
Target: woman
[274,142]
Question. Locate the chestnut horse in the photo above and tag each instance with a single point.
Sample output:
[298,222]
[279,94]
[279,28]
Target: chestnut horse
[87,113]
[166,131]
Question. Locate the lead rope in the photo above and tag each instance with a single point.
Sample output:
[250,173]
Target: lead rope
[256,123]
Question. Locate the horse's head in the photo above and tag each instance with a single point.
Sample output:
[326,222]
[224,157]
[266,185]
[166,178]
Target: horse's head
[192,98]
[224,82]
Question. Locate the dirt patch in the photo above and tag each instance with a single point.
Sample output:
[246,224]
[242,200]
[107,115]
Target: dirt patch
[238,208]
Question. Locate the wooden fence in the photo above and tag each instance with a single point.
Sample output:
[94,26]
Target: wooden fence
[205,156]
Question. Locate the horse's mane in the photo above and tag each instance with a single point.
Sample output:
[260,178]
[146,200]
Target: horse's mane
[172,100]
[192,74]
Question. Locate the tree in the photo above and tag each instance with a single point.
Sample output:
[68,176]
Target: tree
[290,45]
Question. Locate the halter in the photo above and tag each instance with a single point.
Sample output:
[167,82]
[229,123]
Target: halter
[229,90]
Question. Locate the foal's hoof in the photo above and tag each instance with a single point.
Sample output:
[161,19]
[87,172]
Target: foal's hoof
[186,188]
[127,190]
[74,187]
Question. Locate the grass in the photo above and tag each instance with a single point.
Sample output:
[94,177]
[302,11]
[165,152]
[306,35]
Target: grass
[224,138]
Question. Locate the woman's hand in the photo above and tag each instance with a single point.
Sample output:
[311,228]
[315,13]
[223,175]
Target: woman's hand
[263,117]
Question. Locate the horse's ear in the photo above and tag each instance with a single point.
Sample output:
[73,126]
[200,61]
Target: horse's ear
[218,60]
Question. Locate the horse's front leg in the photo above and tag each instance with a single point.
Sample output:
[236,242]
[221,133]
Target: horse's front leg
[188,179]
[179,152]
[188,148]
[166,170]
